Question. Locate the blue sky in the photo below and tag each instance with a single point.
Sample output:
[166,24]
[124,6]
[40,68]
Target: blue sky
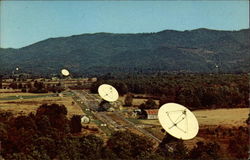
[27,22]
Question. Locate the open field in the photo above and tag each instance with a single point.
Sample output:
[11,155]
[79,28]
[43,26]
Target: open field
[27,105]
[2,91]
[224,117]
[214,117]
[137,101]
[208,119]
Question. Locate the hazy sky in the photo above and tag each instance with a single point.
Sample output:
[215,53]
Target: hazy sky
[27,22]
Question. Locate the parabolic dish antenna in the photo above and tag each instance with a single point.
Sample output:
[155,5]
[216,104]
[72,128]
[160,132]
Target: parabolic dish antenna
[65,72]
[108,92]
[178,121]
[85,119]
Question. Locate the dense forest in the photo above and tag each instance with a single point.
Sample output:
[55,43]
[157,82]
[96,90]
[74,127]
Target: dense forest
[195,91]
[192,51]
[49,134]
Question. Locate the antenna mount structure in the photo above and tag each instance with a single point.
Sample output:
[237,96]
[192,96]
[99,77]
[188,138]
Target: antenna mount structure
[178,121]
[108,92]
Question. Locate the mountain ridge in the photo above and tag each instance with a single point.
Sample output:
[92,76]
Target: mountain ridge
[168,50]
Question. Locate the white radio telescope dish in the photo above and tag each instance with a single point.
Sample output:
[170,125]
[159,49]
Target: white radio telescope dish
[85,119]
[65,72]
[178,121]
[108,92]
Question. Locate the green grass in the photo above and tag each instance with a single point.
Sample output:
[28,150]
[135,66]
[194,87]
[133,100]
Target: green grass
[25,97]
[68,94]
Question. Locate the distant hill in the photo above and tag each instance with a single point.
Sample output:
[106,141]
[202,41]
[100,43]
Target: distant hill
[197,50]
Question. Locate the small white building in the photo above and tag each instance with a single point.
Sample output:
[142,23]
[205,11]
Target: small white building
[151,113]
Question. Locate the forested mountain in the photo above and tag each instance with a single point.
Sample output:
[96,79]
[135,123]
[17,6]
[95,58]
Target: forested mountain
[199,50]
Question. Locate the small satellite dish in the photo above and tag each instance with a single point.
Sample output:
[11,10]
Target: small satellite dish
[108,92]
[85,119]
[17,68]
[178,121]
[65,72]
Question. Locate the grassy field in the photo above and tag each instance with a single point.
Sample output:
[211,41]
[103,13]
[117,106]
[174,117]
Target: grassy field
[225,117]
[31,102]
[137,101]
[9,90]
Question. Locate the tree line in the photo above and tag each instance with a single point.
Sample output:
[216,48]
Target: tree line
[49,134]
[192,90]
[37,87]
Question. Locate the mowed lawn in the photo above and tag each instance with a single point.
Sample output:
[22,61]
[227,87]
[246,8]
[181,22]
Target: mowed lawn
[30,102]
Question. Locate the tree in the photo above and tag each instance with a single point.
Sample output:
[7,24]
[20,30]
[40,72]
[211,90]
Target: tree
[94,86]
[5,116]
[180,151]
[20,86]
[166,99]
[39,87]
[90,147]
[171,147]
[149,104]
[127,145]
[209,151]
[75,124]
[43,125]
[19,156]
[238,147]
[47,145]
[3,132]
[122,88]
[248,119]
[69,148]
[25,122]
[13,85]
[128,101]
[57,116]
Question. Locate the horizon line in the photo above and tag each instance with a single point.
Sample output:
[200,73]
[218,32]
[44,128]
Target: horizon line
[91,33]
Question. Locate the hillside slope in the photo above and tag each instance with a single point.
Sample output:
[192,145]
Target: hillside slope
[173,51]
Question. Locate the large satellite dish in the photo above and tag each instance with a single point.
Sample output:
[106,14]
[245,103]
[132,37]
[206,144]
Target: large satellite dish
[65,72]
[108,92]
[178,121]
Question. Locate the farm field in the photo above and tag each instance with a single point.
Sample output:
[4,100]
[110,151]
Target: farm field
[29,102]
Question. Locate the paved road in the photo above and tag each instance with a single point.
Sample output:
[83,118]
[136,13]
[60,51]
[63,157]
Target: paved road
[92,102]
